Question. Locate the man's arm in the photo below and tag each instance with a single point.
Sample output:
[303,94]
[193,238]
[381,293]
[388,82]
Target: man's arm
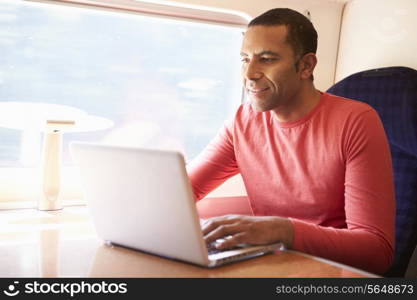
[214,165]
[368,241]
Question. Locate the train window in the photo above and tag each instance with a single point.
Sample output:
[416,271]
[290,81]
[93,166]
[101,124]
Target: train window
[164,82]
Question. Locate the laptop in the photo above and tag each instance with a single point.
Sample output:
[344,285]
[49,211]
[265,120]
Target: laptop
[142,199]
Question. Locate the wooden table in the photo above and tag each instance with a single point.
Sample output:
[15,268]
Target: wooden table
[64,244]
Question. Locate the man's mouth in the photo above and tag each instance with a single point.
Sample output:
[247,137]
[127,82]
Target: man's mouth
[256,91]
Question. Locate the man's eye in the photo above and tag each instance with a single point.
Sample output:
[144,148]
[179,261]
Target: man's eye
[244,59]
[267,59]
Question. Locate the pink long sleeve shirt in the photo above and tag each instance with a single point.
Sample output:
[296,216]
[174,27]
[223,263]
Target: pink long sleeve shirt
[330,173]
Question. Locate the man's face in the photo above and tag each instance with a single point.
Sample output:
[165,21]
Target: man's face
[269,69]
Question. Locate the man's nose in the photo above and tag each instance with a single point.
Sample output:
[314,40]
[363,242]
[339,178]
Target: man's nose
[251,71]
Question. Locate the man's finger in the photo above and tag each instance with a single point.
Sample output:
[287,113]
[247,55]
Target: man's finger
[222,231]
[212,223]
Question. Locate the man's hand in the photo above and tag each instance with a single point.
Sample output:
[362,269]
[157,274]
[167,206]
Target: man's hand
[241,229]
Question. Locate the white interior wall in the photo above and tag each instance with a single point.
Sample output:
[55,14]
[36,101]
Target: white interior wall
[377,33]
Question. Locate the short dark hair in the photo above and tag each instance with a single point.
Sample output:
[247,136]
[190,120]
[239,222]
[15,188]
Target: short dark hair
[301,34]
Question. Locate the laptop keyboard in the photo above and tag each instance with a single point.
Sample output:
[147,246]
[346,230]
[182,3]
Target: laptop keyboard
[214,251]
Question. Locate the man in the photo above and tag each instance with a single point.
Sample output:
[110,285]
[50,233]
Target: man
[317,167]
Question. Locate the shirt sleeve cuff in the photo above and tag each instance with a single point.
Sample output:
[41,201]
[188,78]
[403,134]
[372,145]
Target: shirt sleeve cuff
[301,229]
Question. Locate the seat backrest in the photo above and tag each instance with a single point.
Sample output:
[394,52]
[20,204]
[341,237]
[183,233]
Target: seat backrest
[392,91]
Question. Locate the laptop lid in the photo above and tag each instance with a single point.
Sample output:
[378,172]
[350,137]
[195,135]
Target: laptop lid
[141,199]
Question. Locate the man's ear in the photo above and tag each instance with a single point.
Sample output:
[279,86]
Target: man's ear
[306,65]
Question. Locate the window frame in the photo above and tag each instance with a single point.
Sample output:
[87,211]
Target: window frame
[163,9]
